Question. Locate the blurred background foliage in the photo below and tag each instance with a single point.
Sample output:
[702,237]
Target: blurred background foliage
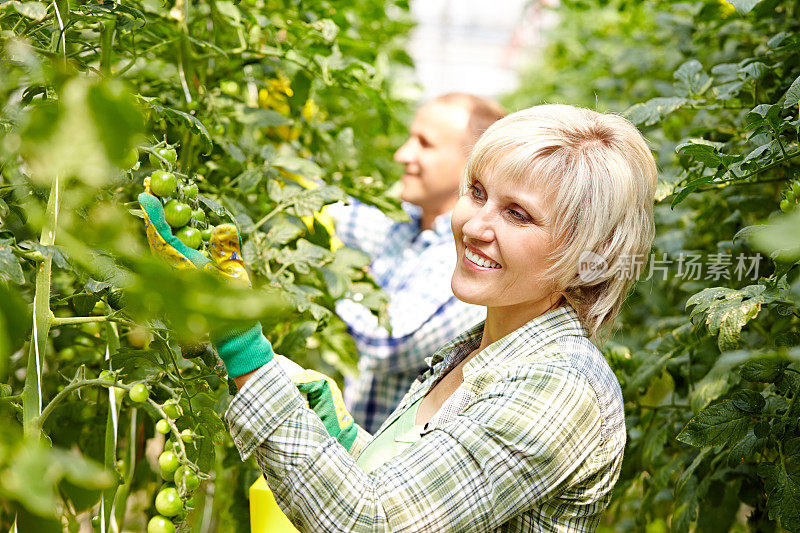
[275,108]
[708,366]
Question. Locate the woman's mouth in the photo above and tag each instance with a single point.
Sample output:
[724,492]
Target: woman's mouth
[472,257]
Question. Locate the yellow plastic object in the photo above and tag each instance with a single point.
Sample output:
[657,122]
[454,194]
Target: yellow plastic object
[265,515]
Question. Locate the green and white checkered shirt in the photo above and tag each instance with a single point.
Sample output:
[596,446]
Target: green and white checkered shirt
[532,440]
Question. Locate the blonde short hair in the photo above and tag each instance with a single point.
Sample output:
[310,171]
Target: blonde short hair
[600,179]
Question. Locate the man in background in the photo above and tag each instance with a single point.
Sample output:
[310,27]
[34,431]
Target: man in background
[412,261]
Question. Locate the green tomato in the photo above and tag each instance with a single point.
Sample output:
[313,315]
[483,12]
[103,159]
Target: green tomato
[187,435]
[206,233]
[162,426]
[73,526]
[786,206]
[139,393]
[130,159]
[139,337]
[67,354]
[107,375]
[177,213]
[91,328]
[796,189]
[168,502]
[163,183]
[217,129]
[187,477]
[199,215]
[168,462]
[229,87]
[789,196]
[172,409]
[169,155]
[190,190]
[160,524]
[191,237]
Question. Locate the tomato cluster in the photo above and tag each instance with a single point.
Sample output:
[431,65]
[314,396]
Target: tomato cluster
[174,500]
[792,197]
[182,210]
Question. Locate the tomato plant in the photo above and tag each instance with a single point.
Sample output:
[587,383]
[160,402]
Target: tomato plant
[264,112]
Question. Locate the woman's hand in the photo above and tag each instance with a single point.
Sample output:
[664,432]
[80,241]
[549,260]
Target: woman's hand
[242,350]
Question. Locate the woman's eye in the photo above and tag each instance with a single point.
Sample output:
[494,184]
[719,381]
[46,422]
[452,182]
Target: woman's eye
[476,191]
[518,216]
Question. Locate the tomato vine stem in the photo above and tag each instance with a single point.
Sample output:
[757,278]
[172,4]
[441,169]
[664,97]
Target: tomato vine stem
[42,320]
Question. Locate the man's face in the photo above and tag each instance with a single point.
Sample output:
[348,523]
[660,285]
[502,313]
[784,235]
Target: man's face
[434,156]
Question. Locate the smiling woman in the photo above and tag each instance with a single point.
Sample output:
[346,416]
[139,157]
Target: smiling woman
[544,187]
[518,423]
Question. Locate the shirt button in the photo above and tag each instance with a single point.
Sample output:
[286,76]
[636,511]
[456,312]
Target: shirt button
[238,442]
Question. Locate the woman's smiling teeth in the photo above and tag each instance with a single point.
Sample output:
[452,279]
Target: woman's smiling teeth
[480,261]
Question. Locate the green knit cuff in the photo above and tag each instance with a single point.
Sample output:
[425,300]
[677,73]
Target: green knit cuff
[243,351]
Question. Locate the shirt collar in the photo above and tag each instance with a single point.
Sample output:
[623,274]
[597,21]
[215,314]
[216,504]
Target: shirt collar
[441,224]
[537,332]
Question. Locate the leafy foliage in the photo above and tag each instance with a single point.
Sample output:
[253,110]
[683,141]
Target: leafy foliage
[708,363]
[276,109]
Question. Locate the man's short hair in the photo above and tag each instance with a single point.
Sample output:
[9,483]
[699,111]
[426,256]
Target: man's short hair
[600,179]
[483,112]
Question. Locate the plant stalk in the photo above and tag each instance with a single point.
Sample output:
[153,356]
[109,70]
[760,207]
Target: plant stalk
[42,320]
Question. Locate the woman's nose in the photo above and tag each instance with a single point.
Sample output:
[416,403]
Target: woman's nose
[480,225]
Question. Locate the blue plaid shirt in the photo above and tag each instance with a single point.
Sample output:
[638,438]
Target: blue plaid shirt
[414,267]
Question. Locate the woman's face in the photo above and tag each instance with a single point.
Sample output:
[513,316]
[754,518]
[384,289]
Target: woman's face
[503,239]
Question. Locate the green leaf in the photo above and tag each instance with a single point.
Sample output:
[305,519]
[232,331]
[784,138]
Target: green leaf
[690,187]
[690,78]
[117,118]
[728,310]
[764,369]
[783,494]
[749,401]
[753,70]
[179,118]
[780,240]
[262,118]
[719,379]
[295,341]
[230,11]
[744,449]
[249,179]
[763,114]
[702,150]
[652,111]
[327,29]
[10,268]
[744,6]
[298,165]
[32,10]
[792,95]
[14,325]
[721,423]
[283,232]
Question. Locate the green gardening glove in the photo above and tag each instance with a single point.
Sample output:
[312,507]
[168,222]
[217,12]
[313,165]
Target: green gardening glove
[242,350]
[325,399]
[246,349]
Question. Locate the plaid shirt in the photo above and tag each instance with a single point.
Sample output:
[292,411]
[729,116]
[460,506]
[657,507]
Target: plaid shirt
[536,447]
[414,268]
